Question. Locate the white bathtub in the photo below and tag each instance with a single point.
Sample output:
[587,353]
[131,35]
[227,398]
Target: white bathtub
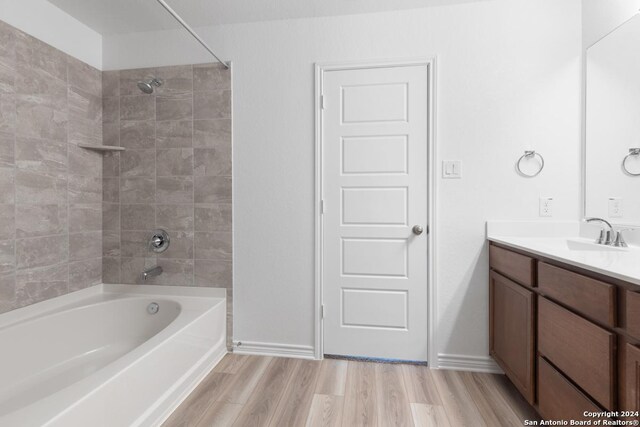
[97,357]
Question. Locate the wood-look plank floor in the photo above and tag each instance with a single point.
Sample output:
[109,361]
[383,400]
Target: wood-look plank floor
[256,391]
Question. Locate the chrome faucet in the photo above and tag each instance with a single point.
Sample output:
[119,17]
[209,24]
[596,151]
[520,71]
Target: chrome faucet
[151,272]
[607,237]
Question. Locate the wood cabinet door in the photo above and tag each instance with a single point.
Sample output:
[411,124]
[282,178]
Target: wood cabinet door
[512,332]
[632,380]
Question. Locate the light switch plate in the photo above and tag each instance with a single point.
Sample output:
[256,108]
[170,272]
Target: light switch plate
[451,169]
[616,207]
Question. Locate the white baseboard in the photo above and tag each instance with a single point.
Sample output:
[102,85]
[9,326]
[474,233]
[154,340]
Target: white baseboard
[460,362]
[273,349]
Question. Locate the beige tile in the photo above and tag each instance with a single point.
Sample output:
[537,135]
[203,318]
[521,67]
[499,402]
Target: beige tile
[84,76]
[137,107]
[212,105]
[35,188]
[85,245]
[213,274]
[7,185]
[216,217]
[111,83]
[85,189]
[174,134]
[40,220]
[111,190]
[176,272]
[85,106]
[181,246]
[137,163]
[174,107]
[175,217]
[213,161]
[41,251]
[8,222]
[41,156]
[8,114]
[83,161]
[137,134]
[111,133]
[39,284]
[111,270]
[211,77]
[7,292]
[85,218]
[35,81]
[214,245]
[135,244]
[42,117]
[110,216]
[177,189]
[175,80]
[213,189]
[85,273]
[138,190]
[7,152]
[111,164]
[83,131]
[7,257]
[39,55]
[111,109]
[174,161]
[137,216]
[7,57]
[111,243]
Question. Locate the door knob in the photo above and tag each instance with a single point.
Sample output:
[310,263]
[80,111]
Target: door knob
[417,230]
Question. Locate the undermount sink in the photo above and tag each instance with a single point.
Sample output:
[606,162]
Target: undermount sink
[584,245]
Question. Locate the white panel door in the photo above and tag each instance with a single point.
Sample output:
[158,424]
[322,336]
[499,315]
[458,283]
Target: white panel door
[374,157]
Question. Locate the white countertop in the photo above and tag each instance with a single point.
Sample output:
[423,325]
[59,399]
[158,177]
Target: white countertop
[570,248]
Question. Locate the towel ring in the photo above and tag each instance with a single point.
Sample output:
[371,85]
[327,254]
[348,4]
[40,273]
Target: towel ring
[632,153]
[528,155]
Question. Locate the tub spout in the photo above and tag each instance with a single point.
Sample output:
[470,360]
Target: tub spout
[152,272]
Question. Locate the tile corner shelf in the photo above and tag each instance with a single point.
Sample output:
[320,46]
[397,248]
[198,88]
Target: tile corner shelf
[102,148]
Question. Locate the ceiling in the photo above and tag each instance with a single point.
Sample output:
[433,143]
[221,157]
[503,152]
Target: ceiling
[109,17]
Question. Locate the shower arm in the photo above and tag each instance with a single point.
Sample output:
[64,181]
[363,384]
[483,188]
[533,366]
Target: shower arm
[190,30]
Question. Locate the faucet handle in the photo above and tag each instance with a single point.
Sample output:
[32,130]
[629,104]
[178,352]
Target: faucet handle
[620,243]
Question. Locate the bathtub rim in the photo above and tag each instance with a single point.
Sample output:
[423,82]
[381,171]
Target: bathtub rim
[82,298]
[174,396]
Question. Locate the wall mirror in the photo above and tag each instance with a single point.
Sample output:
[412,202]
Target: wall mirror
[612,157]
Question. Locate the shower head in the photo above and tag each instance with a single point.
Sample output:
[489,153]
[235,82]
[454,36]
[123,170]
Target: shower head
[147,85]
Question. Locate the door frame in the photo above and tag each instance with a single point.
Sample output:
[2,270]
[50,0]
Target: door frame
[320,69]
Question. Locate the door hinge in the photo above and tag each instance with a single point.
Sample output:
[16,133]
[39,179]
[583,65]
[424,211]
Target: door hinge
[322,106]
[322,311]
[321,206]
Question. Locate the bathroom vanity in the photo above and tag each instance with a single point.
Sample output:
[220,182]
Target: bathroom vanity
[565,324]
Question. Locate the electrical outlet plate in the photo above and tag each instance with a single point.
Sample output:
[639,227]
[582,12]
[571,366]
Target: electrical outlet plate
[615,207]
[546,206]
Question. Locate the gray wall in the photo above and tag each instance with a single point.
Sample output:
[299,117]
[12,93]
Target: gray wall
[50,189]
[175,174]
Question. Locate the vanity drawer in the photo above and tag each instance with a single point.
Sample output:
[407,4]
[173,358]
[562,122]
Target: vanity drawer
[558,399]
[515,266]
[632,313]
[582,350]
[585,295]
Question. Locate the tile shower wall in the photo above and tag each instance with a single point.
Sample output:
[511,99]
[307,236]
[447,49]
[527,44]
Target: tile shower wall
[175,174]
[50,189]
